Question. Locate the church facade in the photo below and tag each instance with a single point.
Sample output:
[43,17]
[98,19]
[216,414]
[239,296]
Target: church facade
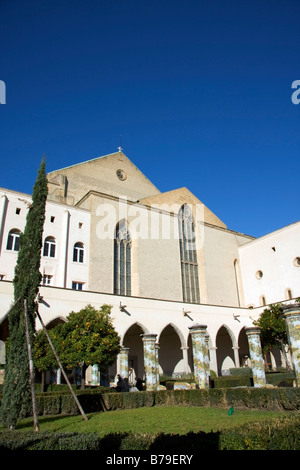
[163,261]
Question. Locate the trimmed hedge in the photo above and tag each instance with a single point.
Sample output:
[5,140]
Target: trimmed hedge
[251,398]
[92,401]
[280,434]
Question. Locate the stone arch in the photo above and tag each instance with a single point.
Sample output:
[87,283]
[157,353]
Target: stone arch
[132,339]
[225,342]
[54,322]
[244,354]
[170,352]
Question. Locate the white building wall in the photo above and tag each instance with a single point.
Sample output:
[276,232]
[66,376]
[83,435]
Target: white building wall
[220,250]
[153,316]
[14,207]
[275,256]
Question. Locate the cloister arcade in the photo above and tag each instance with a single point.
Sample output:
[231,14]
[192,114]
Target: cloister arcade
[175,355]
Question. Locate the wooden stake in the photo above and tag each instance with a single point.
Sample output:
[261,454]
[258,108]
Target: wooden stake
[61,368]
[31,371]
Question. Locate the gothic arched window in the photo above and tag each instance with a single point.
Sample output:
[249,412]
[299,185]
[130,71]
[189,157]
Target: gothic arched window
[122,260]
[188,256]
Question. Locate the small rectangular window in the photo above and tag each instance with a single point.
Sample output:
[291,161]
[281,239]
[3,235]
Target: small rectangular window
[18,210]
[77,285]
[47,280]
[52,218]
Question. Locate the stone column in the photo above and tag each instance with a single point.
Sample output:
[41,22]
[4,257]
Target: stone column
[150,360]
[257,360]
[213,359]
[200,354]
[292,318]
[236,356]
[124,362]
[185,359]
[95,375]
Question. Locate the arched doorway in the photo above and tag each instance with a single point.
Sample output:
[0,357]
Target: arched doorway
[170,353]
[225,354]
[133,341]
[244,354]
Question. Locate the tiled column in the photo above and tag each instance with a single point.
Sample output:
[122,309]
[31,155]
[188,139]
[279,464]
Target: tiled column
[157,364]
[257,360]
[292,318]
[207,361]
[150,360]
[124,362]
[200,354]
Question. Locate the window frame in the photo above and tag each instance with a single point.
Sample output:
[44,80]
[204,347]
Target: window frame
[13,240]
[122,259]
[188,256]
[78,252]
[49,247]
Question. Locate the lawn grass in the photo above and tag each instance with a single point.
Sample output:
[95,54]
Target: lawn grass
[168,420]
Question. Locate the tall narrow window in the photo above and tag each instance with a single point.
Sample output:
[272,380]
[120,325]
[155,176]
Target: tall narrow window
[13,240]
[188,256]
[122,260]
[78,252]
[49,247]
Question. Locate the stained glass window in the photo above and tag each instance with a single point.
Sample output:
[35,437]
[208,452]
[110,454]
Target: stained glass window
[122,260]
[188,256]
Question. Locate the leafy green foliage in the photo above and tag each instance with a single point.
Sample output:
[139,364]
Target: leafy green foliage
[273,328]
[87,337]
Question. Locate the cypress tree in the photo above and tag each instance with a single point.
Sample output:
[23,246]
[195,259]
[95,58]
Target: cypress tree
[27,278]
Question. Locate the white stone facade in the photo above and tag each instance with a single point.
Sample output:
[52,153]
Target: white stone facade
[104,207]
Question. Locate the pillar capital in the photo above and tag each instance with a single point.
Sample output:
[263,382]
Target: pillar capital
[149,337]
[291,309]
[198,328]
[252,330]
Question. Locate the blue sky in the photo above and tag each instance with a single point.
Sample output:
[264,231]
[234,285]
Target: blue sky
[200,92]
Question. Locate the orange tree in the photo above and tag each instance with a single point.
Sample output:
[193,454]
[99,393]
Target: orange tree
[273,329]
[87,337]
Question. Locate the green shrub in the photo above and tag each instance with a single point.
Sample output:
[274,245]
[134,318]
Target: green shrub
[277,434]
[280,434]
[241,371]
[251,398]
[281,379]
[231,381]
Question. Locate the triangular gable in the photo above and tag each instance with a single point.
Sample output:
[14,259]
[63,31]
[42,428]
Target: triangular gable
[178,197]
[112,174]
